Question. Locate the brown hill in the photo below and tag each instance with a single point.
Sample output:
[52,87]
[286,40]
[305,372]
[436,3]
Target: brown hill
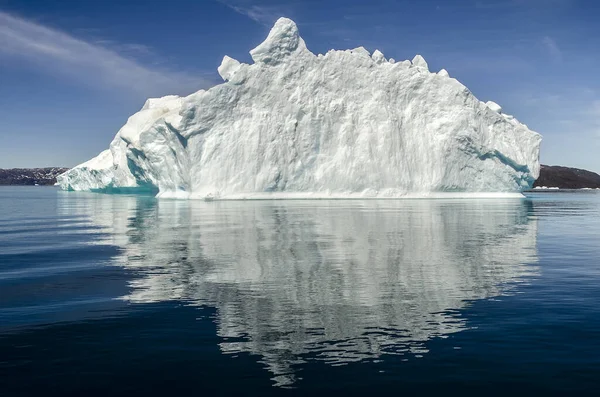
[567,178]
[30,176]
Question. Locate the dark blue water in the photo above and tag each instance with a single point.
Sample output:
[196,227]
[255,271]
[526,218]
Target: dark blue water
[124,295]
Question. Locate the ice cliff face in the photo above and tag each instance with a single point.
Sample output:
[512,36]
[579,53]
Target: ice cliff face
[347,123]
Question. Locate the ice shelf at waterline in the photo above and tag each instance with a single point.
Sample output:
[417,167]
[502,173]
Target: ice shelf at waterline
[294,124]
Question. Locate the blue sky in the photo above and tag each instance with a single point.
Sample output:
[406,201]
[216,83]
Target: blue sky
[72,71]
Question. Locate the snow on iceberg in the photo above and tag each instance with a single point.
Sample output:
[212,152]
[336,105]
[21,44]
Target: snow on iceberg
[295,124]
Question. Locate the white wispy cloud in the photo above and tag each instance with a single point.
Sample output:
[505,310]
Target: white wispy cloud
[593,112]
[594,109]
[92,63]
[264,15]
[552,48]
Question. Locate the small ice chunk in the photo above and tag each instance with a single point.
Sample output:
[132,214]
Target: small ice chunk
[494,106]
[378,57]
[152,103]
[228,68]
[361,50]
[420,62]
[443,73]
[404,64]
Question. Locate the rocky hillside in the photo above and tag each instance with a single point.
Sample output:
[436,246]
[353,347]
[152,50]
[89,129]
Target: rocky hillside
[567,178]
[30,176]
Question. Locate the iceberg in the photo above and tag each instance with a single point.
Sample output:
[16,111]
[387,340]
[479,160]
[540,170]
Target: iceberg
[298,125]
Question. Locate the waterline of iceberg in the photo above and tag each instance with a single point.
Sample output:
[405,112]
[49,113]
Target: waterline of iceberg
[345,196]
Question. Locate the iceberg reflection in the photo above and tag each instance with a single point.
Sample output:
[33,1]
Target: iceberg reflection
[336,281]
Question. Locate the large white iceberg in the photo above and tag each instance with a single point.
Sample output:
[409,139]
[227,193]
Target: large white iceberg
[296,124]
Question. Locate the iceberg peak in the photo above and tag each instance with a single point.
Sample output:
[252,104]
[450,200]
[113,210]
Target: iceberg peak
[283,40]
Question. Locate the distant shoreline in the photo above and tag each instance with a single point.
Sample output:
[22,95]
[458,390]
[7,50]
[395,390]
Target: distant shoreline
[30,176]
[551,179]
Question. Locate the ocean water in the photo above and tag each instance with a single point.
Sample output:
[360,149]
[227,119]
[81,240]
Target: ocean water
[128,295]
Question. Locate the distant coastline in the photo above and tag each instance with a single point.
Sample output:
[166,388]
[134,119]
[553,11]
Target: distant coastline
[551,177]
[554,176]
[30,176]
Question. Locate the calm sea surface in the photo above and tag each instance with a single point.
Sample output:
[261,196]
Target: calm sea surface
[129,295]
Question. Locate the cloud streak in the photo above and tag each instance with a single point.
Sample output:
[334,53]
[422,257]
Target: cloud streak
[552,49]
[264,15]
[489,4]
[58,53]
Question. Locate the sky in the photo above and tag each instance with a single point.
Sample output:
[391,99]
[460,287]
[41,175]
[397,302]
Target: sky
[72,72]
